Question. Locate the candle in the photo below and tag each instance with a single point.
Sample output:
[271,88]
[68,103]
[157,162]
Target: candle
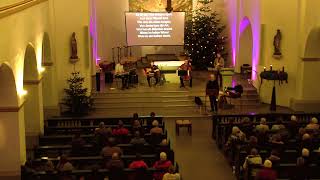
[271,67]
[264,69]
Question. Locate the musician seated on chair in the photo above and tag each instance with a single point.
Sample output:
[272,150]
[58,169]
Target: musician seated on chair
[234,92]
[121,73]
[184,72]
[153,71]
[212,90]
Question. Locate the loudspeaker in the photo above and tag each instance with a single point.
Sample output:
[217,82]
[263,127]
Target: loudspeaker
[198,101]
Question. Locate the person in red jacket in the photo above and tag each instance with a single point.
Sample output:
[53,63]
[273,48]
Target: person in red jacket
[138,163]
[266,173]
[162,164]
[120,130]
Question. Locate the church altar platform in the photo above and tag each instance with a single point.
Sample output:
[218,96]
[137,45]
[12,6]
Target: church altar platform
[169,100]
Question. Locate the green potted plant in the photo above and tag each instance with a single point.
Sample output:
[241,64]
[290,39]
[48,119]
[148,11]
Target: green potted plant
[77,100]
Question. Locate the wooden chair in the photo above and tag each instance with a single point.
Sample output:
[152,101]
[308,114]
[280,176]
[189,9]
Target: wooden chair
[184,123]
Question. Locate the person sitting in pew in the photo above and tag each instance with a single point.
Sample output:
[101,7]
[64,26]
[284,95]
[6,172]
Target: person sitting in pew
[140,166]
[266,173]
[301,172]
[305,154]
[115,162]
[171,174]
[120,130]
[274,158]
[116,166]
[236,137]
[262,127]
[293,127]
[162,164]
[102,133]
[253,159]
[156,129]
[138,163]
[77,145]
[136,126]
[276,142]
[252,143]
[306,142]
[45,165]
[278,126]
[152,118]
[137,140]
[110,149]
[156,133]
[103,130]
[313,125]
[64,164]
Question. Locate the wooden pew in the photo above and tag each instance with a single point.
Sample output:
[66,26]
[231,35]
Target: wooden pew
[63,139]
[86,129]
[91,121]
[89,150]
[84,162]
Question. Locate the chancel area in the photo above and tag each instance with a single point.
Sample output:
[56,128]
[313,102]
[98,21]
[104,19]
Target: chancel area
[159,89]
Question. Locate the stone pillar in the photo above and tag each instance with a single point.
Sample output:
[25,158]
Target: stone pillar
[12,142]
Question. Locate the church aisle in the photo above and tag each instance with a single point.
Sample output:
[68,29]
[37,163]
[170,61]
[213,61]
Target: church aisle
[197,155]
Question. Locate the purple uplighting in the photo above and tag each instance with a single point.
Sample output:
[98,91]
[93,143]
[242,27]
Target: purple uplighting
[232,9]
[93,31]
[240,19]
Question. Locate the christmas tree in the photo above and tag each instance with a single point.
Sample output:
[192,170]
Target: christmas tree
[77,99]
[203,35]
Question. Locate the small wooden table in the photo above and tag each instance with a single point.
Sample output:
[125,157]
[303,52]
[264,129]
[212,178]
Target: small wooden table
[183,123]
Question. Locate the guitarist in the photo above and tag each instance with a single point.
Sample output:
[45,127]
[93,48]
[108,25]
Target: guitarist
[212,90]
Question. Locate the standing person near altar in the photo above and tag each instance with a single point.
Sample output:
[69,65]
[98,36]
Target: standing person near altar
[120,72]
[212,90]
[186,66]
[218,64]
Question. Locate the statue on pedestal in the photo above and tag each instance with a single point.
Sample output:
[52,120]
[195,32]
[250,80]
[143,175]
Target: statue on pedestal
[276,43]
[74,48]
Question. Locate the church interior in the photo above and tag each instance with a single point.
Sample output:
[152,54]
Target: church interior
[159,89]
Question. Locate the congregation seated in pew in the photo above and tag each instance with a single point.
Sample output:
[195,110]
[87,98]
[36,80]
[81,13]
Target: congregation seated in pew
[279,138]
[104,139]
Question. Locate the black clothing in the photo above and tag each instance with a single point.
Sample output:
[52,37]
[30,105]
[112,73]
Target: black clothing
[182,83]
[125,81]
[213,99]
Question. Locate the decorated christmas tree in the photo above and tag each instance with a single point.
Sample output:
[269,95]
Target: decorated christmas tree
[204,35]
[77,99]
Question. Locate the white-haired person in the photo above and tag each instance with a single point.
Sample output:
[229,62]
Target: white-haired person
[236,137]
[266,173]
[313,125]
[302,166]
[293,127]
[156,133]
[156,129]
[171,174]
[262,127]
[163,164]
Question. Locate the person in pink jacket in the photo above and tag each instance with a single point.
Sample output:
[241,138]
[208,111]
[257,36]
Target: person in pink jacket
[163,164]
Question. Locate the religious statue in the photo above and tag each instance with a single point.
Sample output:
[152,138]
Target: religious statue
[276,43]
[74,48]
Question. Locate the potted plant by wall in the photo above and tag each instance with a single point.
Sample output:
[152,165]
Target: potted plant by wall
[77,100]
